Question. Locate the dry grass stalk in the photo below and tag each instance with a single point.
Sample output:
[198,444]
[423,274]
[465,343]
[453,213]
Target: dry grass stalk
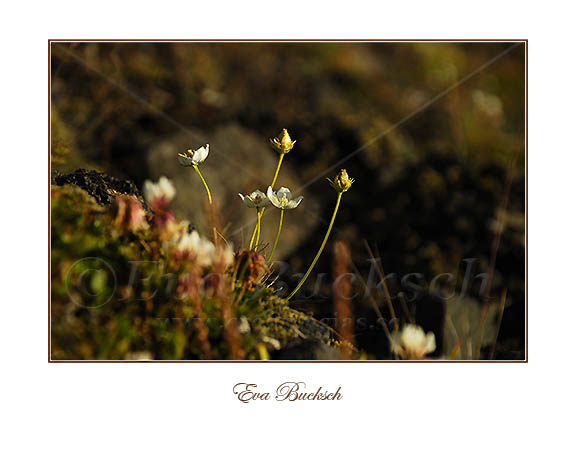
[342,291]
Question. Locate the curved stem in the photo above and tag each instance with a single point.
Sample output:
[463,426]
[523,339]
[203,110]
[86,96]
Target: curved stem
[205,185]
[277,236]
[319,250]
[213,219]
[258,233]
[277,170]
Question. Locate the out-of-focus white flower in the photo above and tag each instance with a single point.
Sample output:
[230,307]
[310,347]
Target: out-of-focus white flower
[255,200]
[192,244]
[224,256]
[139,356]
[175,228]
[163,191]
[192,158]
[489,104]
[243,325]
[412,343]
[283,198]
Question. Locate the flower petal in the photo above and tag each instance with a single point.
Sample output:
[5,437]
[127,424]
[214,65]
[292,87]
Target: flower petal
[247,201]
[294,203]
[184,160]
[264,202]
[331,183]
[166,187]
[272,197]
[430,342]
[201,154]
[257,194]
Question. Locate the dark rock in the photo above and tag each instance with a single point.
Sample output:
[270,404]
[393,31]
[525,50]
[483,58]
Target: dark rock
[104,188]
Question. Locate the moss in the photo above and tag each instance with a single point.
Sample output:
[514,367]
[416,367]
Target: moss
[115,296]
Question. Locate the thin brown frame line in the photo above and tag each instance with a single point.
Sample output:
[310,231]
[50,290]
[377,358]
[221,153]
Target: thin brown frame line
[526,199]
[311,361]
[507,40]
[525,41]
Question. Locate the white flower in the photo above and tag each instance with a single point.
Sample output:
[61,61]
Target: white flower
[164,189]
[192,158]
[412,343]
[283,198]
[193,244]
[224,255]
[255,200]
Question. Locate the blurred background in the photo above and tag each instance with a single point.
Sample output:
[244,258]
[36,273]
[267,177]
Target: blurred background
[433,134]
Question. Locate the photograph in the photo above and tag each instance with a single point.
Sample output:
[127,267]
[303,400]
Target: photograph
[287,201]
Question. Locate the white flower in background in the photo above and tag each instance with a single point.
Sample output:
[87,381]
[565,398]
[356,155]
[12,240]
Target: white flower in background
[192,158]
[139,356]
[283,198]
[163,191]
[225,254]
[243,325]
[412,343]
[255,200]
[193,244]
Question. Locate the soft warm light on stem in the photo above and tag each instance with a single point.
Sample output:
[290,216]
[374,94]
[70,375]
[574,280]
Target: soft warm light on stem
[205,185]
[277,236]
[258,232]
[319,250]
[277,170]
[253,235]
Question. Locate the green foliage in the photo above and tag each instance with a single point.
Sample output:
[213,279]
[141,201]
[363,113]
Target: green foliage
[117,294]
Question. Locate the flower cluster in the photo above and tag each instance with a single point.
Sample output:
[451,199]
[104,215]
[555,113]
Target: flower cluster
[251,265]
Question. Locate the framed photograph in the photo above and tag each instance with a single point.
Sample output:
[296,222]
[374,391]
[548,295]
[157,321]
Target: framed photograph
[288,201]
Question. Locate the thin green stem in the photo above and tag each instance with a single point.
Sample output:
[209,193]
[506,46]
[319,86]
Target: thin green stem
[277,170]
[319,250]
[258,232]
[205,185]
[253,235]
[277,236]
